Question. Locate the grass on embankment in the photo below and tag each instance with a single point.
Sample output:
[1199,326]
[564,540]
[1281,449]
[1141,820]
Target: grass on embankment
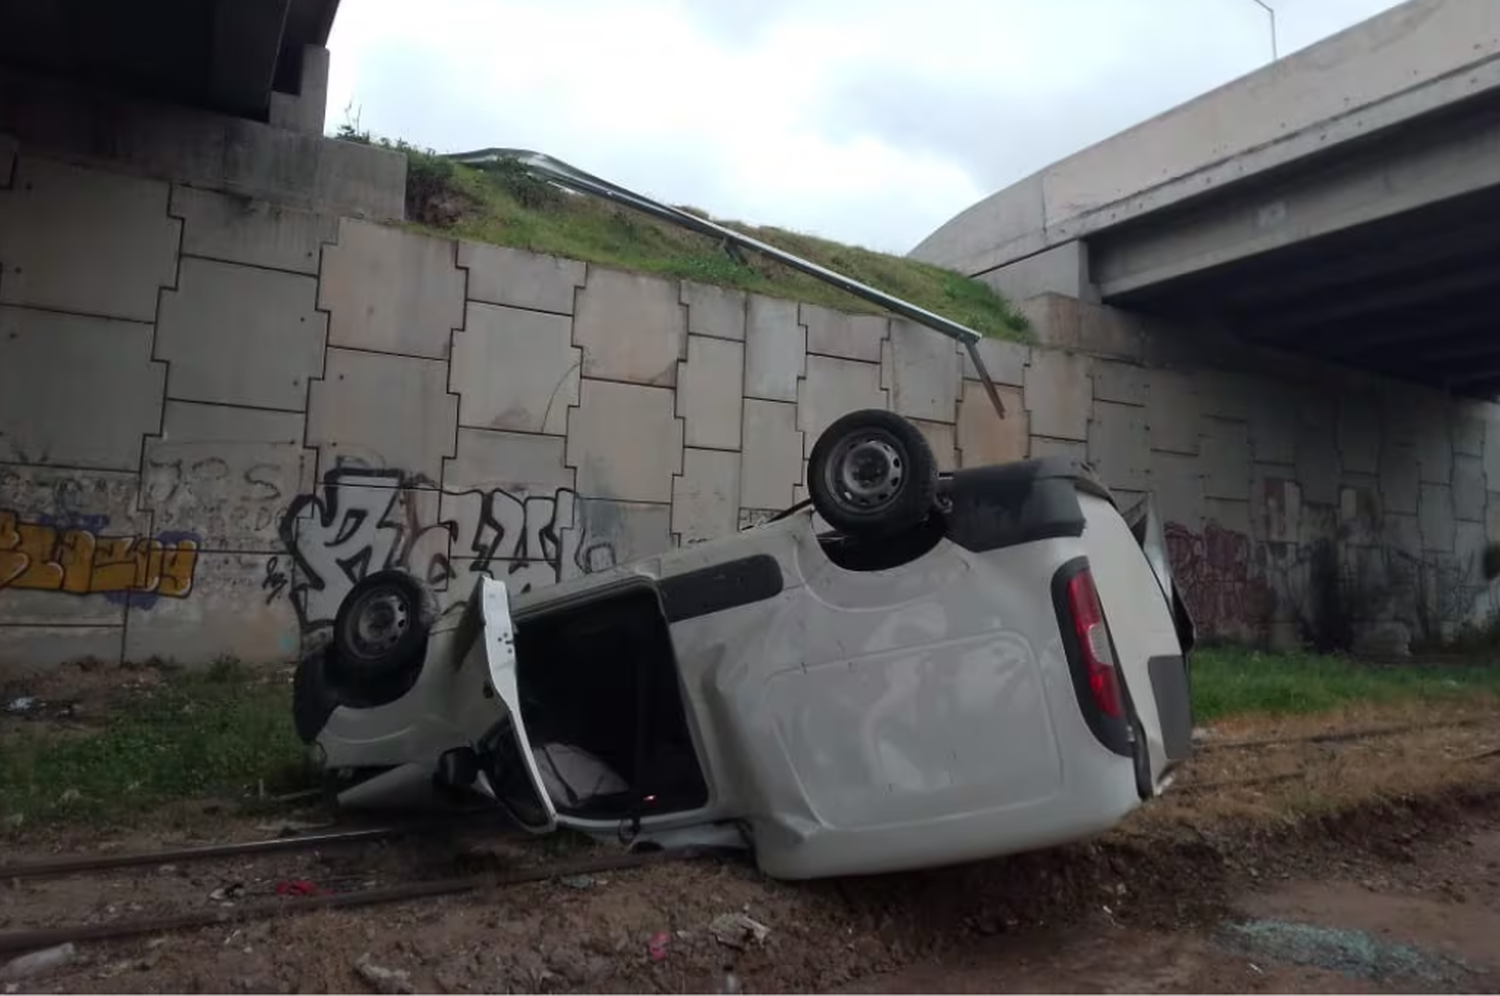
[224,731]
[1230,681]
[506,206]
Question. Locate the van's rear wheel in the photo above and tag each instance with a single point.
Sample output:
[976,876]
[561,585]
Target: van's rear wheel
[872,473]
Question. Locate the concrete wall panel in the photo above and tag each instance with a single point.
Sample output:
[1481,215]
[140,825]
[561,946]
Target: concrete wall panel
[1226,459]
[1227,395]
[609,533]
[1359,435]
[1435,513]
[1468,488]
[391,291]
[1005,361]
[228,475]
[1398,477]
[943,438]
[76,390]
[771,460]
[1071,449]
[1469,432]
[1117,445]
[922,370]
[377,411]
[515,370]
[983,437]
[625,441]
[1318,463]
[228,615]
[1122,383]
[1058,393]
[1172,412]
[706,498]
[75,239]
[631,328]
[1278,497]
[505,494]
[26,651]
[517,279]
[241,335]
[715,311]
[253,232]
[1177,481]
[708,393]
[1273,425]
[834,388]
[850,337]
[775,349]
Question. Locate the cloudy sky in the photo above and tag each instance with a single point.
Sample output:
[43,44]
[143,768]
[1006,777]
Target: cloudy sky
[867,121]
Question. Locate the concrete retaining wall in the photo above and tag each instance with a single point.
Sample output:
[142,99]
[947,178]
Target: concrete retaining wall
[216,413]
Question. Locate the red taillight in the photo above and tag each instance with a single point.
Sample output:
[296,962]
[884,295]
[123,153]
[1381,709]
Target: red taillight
[1093,640]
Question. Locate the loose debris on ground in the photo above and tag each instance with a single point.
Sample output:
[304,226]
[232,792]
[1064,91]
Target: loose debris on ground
[1218,884]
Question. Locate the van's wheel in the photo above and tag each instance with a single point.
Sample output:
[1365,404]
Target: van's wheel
[872,473]
[379,638]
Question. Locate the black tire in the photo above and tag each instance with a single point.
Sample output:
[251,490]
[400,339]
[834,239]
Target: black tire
[872,473]
[379,639]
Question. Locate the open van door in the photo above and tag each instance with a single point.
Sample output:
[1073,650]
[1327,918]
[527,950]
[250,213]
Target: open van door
[498,764]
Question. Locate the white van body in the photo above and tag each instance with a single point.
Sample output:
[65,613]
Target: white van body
[1010,677]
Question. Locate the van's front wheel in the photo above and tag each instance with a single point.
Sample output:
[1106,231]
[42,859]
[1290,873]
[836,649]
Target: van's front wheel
[379,639]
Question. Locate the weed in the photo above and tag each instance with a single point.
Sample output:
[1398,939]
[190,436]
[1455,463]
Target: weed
[223,728]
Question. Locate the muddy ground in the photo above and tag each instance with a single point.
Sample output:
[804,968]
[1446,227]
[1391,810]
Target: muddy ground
[1366,865]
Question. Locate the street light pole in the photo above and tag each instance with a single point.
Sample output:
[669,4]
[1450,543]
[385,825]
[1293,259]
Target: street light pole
[1271,13]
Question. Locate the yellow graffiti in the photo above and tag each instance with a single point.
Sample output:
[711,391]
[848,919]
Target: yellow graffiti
[42,558]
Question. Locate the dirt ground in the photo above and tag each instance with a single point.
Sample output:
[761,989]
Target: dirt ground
[1366,865]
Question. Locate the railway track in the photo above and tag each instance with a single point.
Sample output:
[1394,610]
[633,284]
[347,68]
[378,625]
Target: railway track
[240,849]
[1335,739]
[15,942]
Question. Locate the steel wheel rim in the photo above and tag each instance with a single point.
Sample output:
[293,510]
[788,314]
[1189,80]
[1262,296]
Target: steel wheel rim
[378,622]
[866,471]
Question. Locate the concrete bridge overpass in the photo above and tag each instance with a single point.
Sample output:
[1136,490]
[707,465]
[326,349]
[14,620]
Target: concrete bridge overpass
[1343,202]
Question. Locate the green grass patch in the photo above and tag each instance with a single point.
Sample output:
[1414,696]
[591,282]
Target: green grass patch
[1234,681]
[504,205]
[223,730]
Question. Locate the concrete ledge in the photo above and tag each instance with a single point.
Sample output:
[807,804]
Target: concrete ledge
[47,117]
[1414,59]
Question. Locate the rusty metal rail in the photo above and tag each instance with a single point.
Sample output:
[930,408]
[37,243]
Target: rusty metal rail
[1344,736]
[212,852]
[20,941]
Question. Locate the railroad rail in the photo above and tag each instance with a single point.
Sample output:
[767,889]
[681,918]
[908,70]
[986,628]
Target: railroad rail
[21,941]
[240,849]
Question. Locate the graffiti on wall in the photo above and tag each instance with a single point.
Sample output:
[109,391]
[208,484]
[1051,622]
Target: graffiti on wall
[362,521]
[1222,576]
[76,558]
[228,501]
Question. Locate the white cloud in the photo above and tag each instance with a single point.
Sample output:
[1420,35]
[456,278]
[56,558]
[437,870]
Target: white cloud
[869,121]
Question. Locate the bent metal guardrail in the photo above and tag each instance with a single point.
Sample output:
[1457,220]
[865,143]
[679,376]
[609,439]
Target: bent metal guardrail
[572,178]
